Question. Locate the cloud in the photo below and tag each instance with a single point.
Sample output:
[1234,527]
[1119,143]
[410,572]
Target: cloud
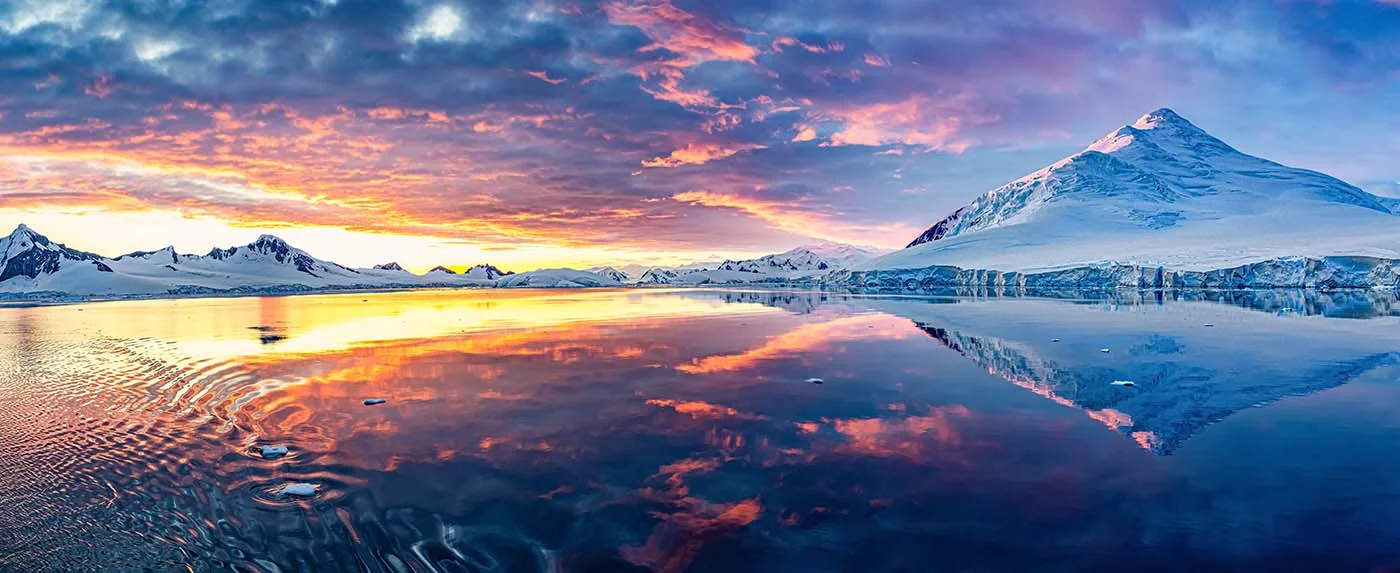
[694,39]
[698,154]
[525,123]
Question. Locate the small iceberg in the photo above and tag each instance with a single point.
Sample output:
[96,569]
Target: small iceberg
[273,452]
[815,380]
[1103,350]
[1126,383]
[374,401]
[298,490]
[1054,340]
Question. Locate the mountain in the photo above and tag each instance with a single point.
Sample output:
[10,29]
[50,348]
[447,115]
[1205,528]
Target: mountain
[555,278]
[441,270]
[804,264]
[30,255]
[657,276]
[820,257]
[611,274]
[1160,192]
[269,251]
[389,267]
[487,272]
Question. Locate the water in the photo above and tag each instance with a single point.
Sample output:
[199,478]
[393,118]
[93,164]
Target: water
[637,430]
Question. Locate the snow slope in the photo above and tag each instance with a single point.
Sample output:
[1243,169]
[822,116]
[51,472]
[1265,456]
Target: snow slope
[1159,192]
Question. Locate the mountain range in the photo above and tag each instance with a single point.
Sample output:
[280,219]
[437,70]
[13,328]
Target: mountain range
[33,265]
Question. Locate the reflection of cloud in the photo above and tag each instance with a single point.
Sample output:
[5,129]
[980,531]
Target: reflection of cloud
[802,340]
[690,521]
[697,410]
[901,437]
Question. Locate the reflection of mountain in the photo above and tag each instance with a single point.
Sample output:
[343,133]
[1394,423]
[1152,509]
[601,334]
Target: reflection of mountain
[795,302]
[1192,362]
[1185,375]
[1352,303]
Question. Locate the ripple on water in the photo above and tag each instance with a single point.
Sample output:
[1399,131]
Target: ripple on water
[130,452]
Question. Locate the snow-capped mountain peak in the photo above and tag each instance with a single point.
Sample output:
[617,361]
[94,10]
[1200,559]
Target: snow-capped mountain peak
[1164,118]
[611,274]
[485,271]
[442,270]
[165,255]
[27,253]
[819,257]
[390,266]
[1152,188]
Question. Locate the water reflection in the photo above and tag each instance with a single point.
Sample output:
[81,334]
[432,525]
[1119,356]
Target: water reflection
[642,430]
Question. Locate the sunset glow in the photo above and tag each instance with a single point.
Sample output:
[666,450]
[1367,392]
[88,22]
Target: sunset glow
[579,133]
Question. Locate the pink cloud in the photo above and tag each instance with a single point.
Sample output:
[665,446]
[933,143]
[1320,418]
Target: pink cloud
[698,154]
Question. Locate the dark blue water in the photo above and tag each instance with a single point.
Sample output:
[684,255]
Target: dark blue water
[683,431]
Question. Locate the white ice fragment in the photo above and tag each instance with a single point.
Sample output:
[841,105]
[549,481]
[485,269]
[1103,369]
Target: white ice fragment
[1128,383]
[374,401]
[1103,350]
[298,489]
[1054,340]
[815,380]
[273,452]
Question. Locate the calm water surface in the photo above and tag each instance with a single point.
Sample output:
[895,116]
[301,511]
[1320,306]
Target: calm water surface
[647,430]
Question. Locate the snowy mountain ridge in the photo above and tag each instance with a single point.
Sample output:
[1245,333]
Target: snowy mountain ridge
[34,264]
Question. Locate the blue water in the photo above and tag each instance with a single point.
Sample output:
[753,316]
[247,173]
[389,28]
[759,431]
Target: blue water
[640,430]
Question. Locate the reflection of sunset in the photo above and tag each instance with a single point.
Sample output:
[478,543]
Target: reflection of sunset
[557,418]
[340,322]
[804,339]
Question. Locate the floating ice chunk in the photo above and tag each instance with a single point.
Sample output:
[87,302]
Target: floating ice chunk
[298,489]
[1127,383]
[1054,340]
[273,452]
[815,380]
[1103,350]
[1209,325]
[374,401]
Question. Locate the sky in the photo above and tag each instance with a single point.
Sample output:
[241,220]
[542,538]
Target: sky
[545,133]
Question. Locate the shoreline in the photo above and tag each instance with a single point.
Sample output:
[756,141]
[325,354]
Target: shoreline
[1088,293]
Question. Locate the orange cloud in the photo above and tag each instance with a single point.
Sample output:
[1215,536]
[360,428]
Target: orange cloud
[876,60]
[698,154]
[783,215]
[917,121]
